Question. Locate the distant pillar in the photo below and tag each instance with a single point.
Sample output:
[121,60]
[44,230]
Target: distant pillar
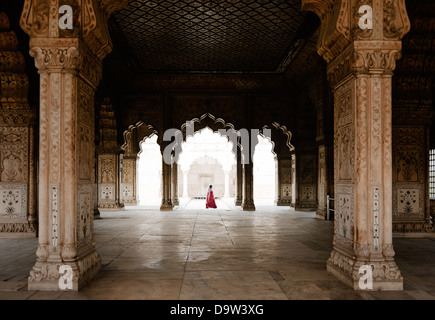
[284,188]
[322,183]
[108,180]
[248,187]
[129,180]
[175,201]
[239,181]
[166,186]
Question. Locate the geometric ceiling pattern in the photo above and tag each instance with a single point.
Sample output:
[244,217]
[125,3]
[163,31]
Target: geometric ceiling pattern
[210,36]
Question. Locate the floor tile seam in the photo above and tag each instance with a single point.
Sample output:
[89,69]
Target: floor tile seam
[187,258]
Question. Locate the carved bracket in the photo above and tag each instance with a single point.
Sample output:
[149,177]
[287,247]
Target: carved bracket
[340,23]
[40,19]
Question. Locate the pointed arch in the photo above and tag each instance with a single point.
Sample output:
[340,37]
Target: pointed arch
[135,134]
[276,128]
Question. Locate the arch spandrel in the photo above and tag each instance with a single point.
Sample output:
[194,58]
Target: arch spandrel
[135,134]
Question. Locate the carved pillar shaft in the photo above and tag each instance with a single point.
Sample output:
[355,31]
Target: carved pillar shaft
[18,216]
[361,48]
[96,188]
[175,201]
[108,181]
[239,180]
[363,167]
[70,67]
[294,189]
[166,187]
[304,197]
[284,188]
[322,183]
[66,166]
[248,187]
[129,184]
[411,215]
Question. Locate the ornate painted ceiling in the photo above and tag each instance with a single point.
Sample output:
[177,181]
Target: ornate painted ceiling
[213,36]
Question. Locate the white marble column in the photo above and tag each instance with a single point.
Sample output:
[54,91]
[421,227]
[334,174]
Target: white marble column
[361,61]
[70,68]
[175,200]
[185,193]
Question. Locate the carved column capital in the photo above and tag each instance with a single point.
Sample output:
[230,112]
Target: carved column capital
[340,23]
[55,57]
[365,57]
[40,19]
[66,54]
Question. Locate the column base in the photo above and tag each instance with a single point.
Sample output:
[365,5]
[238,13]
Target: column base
[386,274]
[321,214]
[45,275]
[412,227]
[166,206]
[238,202]
[130,203]
[283,203]
[176,202]
[303,207]
[111,205]
[18,230]
[96,214]
[248,207]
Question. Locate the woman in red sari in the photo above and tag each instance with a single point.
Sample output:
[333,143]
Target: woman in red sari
[211,203]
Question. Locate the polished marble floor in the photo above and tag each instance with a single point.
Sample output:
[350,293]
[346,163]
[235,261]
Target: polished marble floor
[198,254]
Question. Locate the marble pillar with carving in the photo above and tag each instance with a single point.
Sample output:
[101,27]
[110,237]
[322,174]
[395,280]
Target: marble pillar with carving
[128,183]
[167,204]
[108,159]
[108,180]
[239,180]
[18,216]
[304,179]
[175,200]
[248,187]
[411,207]
[322,183]
[361,49]
[284,187]
[70,67]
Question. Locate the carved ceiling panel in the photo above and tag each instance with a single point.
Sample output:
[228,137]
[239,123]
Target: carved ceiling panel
[206,36]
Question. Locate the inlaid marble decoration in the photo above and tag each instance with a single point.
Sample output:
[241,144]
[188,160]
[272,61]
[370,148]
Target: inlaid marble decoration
[408,201]
[107,192]
[13,201]
[127,191]
[84,215]
[307,193]
[54,216]
[321,195]
[286,191]
[13,154]
[344,215]
[376,218]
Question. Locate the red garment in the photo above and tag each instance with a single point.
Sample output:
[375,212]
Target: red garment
[210,200]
